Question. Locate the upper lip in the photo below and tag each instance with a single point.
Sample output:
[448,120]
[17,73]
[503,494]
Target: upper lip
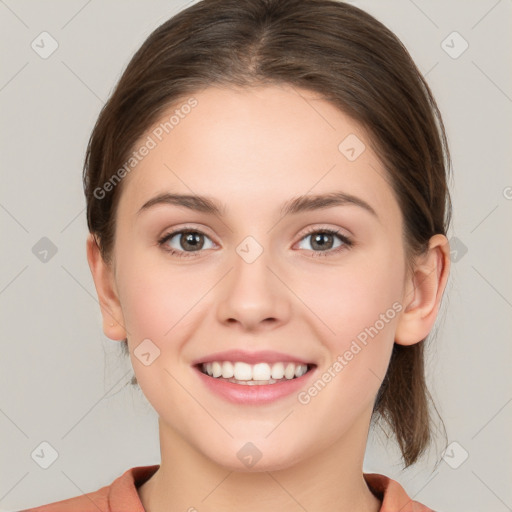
[264,356]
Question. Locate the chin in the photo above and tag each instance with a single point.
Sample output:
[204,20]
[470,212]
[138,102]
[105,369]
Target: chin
[254,457]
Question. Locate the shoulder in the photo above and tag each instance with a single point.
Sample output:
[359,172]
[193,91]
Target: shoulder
[96,501]
[392,495]
[120,496]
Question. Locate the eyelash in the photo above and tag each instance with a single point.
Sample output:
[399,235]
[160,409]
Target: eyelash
[347,242]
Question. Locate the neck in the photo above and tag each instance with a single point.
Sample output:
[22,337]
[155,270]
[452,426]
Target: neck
[329,480]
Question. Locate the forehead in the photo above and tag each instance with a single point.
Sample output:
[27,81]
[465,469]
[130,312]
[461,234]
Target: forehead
[256,146]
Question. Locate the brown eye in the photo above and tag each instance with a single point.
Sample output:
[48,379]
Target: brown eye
[324,241]
[183,241]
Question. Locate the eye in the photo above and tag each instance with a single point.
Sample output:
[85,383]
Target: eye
[324,240]
[184,241]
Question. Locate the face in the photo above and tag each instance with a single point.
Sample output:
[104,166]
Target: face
[320,282]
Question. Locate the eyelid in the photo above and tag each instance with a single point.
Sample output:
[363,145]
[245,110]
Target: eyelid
[333,229]
[172,232]
[175,230]
[347,240]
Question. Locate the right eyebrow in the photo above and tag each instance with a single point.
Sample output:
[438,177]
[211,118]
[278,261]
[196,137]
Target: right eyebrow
[197,203]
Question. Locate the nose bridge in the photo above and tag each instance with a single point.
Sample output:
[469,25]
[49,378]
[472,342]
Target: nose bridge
[253,294]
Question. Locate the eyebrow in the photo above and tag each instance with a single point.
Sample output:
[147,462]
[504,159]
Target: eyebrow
[294,206]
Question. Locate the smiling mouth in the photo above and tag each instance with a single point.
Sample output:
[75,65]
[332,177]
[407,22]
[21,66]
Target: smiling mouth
[258,374]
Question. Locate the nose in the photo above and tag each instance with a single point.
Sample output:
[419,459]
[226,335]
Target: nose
[253,295]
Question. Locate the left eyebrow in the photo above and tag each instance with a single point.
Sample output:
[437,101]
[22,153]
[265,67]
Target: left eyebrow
[320,201]
[296,205]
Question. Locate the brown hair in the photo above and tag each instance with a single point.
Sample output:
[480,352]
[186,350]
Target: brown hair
[328,47]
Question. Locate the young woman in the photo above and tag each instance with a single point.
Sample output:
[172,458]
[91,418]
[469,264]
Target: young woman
[267,203]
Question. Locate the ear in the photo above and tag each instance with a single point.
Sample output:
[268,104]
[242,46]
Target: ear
[113,321]
[423,292]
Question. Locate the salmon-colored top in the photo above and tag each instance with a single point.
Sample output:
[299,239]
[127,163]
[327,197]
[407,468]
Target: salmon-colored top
[122,496]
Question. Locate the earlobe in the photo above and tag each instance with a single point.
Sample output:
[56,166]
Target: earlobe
[423,293]
[111,312]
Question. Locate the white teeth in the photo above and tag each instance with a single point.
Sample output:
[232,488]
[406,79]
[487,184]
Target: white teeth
[242,371]
[278,371]
[216,369]
[289,371]
[300,370]
[261,371]
[227,370]
[256,373]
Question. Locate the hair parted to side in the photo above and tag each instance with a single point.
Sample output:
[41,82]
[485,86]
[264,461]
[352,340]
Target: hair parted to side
[328,47]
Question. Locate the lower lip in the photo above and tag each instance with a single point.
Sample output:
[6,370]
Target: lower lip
[257,394]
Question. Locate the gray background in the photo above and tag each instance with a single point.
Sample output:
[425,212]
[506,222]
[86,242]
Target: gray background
[63,382]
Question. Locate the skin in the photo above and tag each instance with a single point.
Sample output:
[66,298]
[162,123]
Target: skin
[263,146]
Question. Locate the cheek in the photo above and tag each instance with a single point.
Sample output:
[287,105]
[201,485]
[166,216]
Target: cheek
[161,304]
[149,304]
[160,298]
[357,308]
[348,299]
